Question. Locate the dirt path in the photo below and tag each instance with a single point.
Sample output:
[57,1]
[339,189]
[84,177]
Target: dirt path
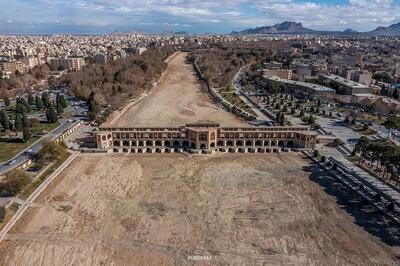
[177,99]
[165,210]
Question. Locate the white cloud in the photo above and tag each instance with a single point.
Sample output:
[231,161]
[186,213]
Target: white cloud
[218,15]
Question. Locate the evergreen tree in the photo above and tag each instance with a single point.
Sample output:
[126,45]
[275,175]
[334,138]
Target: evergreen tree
[46,99]
[60,109]
[4,120]
[39,103]
[51,115]
[62,101]
[18,125]
[26,134]
[396,94]
[311,119]
[282,120]
[31,99]
[7,101]
[23,102]
[25,121]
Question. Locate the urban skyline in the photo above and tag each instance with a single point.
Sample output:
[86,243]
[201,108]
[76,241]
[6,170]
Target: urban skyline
[106,16]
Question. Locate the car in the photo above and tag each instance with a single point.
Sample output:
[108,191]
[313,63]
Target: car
[11,162]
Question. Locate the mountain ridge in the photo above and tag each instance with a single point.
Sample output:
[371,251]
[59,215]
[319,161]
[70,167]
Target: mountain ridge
[297,28]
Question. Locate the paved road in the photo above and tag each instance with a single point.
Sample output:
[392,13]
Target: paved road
[239,90]
[22,157]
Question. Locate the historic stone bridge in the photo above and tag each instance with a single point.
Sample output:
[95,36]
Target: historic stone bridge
[204,138]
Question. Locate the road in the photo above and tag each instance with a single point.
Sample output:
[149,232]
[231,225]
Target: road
[239,90]
[34,195]
[77,112]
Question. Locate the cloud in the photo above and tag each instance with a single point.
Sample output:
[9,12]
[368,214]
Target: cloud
[201,15]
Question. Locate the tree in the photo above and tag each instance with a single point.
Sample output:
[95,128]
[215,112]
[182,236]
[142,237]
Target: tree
[311,120]
[14,182]
[26,134]
[392,122]
[7,101]
[31,99]
[282,120]
[51,115]
[337,142]
[4,120]
[62,101]
[293,111]
[396,94]
[60,109]
[347,120]
[2,213]
[46,99]
[323,159]
[39,103]
[316,153]
[20,108]
[18,124]
[25,121]
[25,104]
[302,114]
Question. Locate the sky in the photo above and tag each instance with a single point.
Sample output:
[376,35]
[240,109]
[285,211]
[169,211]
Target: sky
[197,16]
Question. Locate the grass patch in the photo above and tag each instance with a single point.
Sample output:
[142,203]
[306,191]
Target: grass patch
[10,211]
[9,149]
[235,100]
[44,127]
[60,159]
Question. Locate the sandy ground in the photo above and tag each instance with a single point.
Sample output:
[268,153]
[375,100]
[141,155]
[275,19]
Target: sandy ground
[176,100]
[176,210]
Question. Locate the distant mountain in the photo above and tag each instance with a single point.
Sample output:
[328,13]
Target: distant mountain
[349,31]
[283,28]
[391,30]
[181,33]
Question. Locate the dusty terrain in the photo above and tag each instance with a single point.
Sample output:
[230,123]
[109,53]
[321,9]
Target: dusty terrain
[165,210]
[177,99]
[177,210]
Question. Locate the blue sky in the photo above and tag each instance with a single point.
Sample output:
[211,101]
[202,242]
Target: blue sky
[105,16]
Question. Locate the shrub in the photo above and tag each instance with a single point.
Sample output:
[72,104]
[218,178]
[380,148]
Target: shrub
[323,159]
[2,213]
[52,151]
[14,182]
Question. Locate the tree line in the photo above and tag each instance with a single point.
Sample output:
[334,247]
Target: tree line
[18,119]
[381,154]
[114,82]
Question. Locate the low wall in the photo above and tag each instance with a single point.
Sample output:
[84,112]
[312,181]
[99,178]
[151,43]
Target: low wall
[218,98]
[68,132]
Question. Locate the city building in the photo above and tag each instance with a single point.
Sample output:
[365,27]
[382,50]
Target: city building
[303,89]
[280,73]
[71,63]
[345,86]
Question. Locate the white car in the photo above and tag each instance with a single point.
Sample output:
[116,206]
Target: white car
[11,162]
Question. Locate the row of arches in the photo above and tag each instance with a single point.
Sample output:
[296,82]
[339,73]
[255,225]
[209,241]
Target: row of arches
[192,145]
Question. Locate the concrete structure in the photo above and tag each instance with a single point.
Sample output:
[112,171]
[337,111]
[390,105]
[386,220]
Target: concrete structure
[204,137]
[346,86]
[302,89]
[71,63]
[11,66]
